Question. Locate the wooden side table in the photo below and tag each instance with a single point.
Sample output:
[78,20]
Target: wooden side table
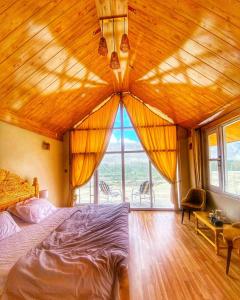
[202,217]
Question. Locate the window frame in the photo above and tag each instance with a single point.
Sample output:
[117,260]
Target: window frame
[219,130]
[218,160]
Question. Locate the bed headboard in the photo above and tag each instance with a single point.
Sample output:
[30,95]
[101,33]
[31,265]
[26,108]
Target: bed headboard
[14,189]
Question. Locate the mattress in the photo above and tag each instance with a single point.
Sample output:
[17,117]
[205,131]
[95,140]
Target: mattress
[12,248]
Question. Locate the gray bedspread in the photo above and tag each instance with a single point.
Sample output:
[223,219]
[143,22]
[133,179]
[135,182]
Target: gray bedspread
[83,258]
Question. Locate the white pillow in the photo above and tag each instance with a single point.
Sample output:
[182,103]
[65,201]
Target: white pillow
[33,210]
[7,225]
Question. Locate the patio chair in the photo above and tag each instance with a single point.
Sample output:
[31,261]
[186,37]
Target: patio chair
[143,191]
[107,191]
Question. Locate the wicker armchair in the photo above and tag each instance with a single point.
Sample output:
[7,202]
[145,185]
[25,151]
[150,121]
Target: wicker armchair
[194,200]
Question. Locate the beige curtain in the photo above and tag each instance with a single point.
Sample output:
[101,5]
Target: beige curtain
[197,157]
[90,140]
[158,138]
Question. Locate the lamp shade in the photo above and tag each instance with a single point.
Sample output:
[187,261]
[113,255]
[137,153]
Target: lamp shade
[124,46]
[102,48]
[43,194]
[114,62]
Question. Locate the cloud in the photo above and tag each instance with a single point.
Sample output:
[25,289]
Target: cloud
[129,141]
[115,140]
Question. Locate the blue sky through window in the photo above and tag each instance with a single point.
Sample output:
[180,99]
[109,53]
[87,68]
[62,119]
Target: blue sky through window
[117,122]
[131,140]
[126,120]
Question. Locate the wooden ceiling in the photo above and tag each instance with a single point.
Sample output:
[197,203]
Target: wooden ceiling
[184,59]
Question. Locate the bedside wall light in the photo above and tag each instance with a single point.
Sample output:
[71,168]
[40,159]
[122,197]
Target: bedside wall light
[45,145]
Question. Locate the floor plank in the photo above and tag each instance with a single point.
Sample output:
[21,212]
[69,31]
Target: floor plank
[170,261]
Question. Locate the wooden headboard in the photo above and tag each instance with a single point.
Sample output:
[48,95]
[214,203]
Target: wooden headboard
[14,189]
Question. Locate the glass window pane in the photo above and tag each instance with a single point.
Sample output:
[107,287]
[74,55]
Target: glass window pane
[161,190]
[117,122]
[85,194]
[115,141]
[213,172]
[131,140]
[212,145]
[126,119]
[110,179]
[137,179]
[232,157]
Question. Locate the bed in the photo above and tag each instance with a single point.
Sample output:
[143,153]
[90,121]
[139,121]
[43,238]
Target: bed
[76,253]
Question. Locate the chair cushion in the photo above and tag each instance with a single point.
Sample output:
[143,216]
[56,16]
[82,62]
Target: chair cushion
[190,205]
[230,233]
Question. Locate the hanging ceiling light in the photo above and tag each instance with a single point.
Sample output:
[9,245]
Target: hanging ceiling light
[102,48]
[124,46]
[114,62]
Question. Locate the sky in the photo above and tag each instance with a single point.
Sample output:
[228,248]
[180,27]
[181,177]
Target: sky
[130,136]
[233,151]
[131,140]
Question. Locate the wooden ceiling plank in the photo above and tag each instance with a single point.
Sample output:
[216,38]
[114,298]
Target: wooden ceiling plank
[229,11]
[215,63]
[38,68]
[192,103]
[196,68]
[187,55]
[168,109]
[33,100]
[25,34]
[43,36]
[227,32]
[70,86]
[91,105]
[78,110]
[187,118]
[7,5]
[161,74]
[201,94]
[13,119]
[25,12]
[179,31]
[37,102]
[179,58]
[157,102]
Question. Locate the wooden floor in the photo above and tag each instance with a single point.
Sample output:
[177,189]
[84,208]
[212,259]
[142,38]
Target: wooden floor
[169,261]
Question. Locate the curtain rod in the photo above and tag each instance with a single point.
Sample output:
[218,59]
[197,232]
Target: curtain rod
[127,128]
[116,152]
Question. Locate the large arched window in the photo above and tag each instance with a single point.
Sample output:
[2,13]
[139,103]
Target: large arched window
[125,173]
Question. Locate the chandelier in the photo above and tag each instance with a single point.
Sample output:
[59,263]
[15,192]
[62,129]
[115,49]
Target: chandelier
[103,49]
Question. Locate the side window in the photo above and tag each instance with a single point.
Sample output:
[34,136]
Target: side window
[231,144]
[223,157]
[213,159]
